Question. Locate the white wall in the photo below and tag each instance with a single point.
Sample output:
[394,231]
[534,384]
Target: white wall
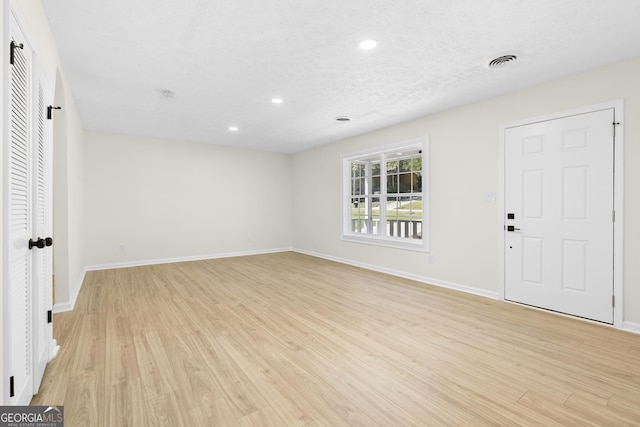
[165,200]
[68,194]
[464,166]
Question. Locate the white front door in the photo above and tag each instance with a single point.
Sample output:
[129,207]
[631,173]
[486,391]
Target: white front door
[559,203]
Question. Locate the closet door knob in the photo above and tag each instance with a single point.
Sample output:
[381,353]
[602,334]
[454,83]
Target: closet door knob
[40,243]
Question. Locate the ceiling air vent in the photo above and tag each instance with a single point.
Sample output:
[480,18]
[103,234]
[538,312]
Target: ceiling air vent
[501,61]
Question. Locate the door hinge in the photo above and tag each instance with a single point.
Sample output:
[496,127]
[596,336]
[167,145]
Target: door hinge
[49,316]
[613,300]
[12,51]
[613,216]
[49,108]
[12,391]
[614,128]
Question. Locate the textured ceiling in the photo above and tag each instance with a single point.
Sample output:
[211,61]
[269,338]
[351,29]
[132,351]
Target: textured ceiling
[225,60]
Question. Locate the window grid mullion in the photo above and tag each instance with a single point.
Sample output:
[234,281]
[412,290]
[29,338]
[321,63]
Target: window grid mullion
[383,194]
[368,199]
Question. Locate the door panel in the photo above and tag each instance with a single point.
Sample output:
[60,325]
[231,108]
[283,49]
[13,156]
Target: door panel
[42,257]
[532,271]
[574,265]
[559,186]
[19,211]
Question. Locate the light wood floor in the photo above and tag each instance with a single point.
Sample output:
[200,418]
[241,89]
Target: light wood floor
[290,340]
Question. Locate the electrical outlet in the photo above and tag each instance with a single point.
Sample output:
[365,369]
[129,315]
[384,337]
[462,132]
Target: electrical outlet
[122,248]
[430,259]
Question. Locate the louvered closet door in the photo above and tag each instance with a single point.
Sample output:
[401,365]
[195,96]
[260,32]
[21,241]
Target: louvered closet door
[41,258]
[19,225]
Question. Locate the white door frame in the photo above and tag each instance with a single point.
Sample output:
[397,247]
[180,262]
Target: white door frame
[618,225]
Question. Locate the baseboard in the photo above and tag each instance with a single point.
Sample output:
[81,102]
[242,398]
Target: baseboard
[631,327]
[68,306]
[55,348]
[405,275]
[183,259]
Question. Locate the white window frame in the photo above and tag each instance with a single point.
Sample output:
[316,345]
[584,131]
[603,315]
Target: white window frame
[422,244]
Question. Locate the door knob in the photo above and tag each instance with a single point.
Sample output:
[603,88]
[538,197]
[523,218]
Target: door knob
[40,243]
[512,228]
[48,241]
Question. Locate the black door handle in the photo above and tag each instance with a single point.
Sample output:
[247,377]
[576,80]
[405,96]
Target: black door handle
[512,228]
[40,243]
[48,241]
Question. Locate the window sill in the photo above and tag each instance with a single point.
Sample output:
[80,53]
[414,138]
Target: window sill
[411,245]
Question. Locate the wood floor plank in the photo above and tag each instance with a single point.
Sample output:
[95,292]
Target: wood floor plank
[123,406]
[265,417]
[289,339]
[168,410]
[283,400]
[92,333]
[217,413]
[85,399]
[156,372]
[121,362]
[192,375]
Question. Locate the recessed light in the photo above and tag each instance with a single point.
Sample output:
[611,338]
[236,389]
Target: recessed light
[277,101]
[367,44]
[233,128]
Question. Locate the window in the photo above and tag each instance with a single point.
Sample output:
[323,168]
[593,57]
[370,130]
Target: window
[385,196]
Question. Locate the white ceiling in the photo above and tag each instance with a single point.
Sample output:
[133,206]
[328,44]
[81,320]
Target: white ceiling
[225,60]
